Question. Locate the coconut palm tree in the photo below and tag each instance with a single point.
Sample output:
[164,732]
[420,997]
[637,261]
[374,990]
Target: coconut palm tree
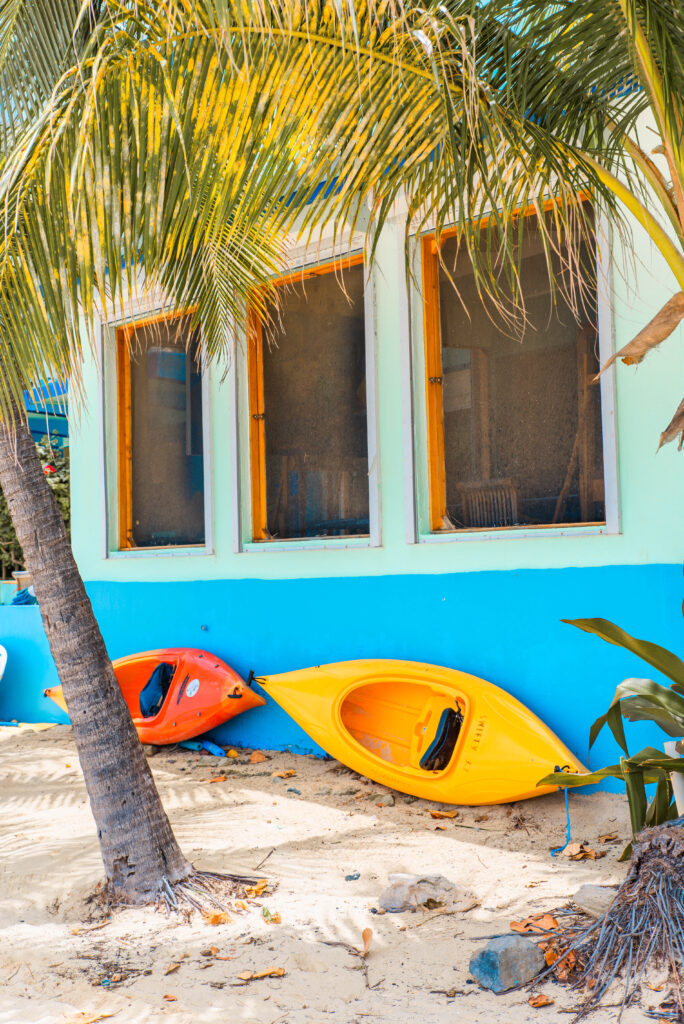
[173,144]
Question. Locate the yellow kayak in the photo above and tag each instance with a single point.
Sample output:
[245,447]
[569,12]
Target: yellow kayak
[433,732]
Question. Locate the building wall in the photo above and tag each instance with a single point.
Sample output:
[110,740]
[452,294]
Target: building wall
[488,603]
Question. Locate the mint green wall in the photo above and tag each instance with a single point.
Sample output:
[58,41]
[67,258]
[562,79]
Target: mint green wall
[651,488]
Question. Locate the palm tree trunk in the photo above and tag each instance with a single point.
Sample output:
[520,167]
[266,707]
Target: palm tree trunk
[138,847]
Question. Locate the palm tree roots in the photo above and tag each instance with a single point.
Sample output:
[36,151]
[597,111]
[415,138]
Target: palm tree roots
[643,926]
[202,891]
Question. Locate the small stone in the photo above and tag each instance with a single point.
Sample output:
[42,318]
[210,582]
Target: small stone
[149,749]
[594,900]
[408,799]
[505,962]
[291,789]
[385,800]
[349,791]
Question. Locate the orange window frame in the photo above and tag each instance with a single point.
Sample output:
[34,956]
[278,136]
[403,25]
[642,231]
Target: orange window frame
[434,375]
[257,411]
[124,421]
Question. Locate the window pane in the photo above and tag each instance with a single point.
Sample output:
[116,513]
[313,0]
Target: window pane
[315,408]
[167,471]
[522,419]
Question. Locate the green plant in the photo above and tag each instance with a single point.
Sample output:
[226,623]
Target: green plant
[55,461]
[638,700]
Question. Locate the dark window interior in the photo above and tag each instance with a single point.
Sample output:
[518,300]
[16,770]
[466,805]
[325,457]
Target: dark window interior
[167,471]
[522,418]
[315,410]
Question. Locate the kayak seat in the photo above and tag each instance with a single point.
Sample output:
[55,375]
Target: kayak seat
[153,693]
[440,751]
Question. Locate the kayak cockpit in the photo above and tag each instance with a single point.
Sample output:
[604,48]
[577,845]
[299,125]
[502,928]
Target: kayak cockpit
[409,725]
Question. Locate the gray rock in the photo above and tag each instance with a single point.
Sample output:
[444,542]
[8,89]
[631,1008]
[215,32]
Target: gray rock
[349,791]
[408,892]
[149,750]
[326,791]
[505,962]
[385,800]
[594,900]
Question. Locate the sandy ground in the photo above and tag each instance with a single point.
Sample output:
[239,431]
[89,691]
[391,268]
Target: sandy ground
[60,963]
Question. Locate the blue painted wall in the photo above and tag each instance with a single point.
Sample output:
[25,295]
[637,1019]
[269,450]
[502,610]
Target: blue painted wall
[30,668]
[503,626]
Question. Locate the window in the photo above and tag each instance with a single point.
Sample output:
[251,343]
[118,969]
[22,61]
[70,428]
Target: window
[161,459]
[308,423]
[514,427]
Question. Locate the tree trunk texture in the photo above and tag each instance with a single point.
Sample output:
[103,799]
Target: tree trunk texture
[138,847]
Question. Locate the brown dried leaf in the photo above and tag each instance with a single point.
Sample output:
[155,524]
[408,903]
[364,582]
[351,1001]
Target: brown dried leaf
[550,956]
[284,775]
[170,999]
[257,889]
[443,814]
[215,917]
[540,1000]
[173,966]
[216,778]
[481,817]
[674,427]
[655,331]
[440,828]
[271,972]
[366,935]
[580,851]
[256,757]
[539,923]
[609,837]
[565,966]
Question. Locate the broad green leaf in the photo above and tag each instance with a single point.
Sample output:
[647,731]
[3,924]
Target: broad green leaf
[638,709]
[613,719]
[659,657]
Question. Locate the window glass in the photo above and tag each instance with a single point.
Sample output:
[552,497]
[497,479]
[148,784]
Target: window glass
[166,472]
[314,404]
[522,418]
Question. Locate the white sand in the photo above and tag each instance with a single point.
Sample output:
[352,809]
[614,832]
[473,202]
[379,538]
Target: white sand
[53,958]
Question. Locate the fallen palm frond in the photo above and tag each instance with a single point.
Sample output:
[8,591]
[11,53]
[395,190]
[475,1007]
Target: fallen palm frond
[643,926]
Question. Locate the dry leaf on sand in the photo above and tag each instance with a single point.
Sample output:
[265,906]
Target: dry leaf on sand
[284,775]
[270,918]
[257,889]
[540,923]
[443,814]
[540,1000]
[216,778]
[171,968]
[256,757]
[271,972]
[170,999]
[366,935]
[216,917]
[609,837]
[580,851]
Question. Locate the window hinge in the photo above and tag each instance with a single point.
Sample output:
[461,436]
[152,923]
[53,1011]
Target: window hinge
[435,380]
[258,416]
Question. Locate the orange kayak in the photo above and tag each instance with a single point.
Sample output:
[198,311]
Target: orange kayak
[176,693]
